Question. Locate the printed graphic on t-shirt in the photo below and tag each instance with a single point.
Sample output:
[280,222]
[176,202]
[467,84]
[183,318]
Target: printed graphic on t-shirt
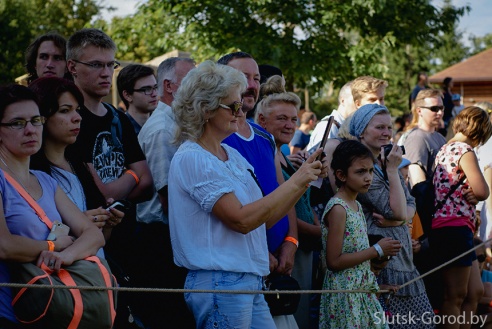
[108,160]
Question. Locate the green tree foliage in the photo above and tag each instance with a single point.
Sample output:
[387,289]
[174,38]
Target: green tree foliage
[481,43]
[141,36]
[21,21]
[314,42]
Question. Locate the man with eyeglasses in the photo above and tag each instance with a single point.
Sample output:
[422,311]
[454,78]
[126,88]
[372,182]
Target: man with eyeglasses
[157,141]
[137,88]
[109,146]
[422,141]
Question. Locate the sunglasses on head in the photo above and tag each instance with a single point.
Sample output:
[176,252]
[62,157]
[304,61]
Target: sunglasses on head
[435,108]
[234,107]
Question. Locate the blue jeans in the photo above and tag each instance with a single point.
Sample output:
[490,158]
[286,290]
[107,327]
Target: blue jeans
[224,311]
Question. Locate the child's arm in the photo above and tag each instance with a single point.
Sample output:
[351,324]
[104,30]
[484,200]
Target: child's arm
[335,259]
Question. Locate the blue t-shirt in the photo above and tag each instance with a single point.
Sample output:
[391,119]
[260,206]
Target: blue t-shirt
[259,150]
[300,139]
[22,220]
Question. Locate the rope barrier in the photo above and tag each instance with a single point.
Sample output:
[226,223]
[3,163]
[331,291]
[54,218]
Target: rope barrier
[245,292]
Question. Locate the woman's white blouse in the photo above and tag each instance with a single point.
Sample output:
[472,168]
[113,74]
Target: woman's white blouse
[197,179]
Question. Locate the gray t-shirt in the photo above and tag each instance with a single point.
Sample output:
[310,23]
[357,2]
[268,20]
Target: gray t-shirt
[423,146]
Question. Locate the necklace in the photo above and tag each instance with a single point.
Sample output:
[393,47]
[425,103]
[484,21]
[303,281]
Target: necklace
[16,177]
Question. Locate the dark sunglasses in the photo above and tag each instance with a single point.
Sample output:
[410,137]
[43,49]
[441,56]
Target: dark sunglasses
[435,108]
[234,107]
[481,258]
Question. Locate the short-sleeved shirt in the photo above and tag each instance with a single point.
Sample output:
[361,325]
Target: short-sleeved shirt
[300,139]
[421,145]
[156,139]
[22,220]
[197,179]
[96,145]
[259,150]
[319,130]
[456,211]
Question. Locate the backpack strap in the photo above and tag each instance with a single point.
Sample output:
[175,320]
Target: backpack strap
[34,205]
[116,130]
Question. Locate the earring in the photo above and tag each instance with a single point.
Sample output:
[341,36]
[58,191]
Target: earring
[206,121]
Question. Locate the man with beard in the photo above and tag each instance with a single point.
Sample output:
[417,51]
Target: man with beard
[257,146]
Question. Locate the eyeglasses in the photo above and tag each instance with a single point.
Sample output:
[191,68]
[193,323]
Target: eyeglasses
[21,124]
[113,65]
[481,258]
[148,90]
[234,107]
[435,108]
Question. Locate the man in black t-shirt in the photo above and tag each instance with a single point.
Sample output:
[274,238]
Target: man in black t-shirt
[109,146]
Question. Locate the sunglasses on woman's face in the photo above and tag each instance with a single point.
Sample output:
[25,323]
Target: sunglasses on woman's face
[234,107]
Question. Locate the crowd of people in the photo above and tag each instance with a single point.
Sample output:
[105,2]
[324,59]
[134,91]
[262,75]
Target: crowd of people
[212,201]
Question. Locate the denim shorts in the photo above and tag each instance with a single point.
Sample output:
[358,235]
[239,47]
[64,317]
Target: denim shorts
[216,310]
[449,242]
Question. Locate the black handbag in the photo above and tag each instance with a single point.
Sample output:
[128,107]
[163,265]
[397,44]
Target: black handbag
[282,304]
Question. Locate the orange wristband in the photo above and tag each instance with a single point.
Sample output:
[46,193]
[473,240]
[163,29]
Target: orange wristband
[293,240]
[51,246]
[131,172]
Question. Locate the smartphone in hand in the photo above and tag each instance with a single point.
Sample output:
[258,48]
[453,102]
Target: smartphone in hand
[325,136]
[121,205]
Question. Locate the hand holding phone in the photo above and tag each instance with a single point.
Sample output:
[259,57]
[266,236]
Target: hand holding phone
[325,136]
[121,205]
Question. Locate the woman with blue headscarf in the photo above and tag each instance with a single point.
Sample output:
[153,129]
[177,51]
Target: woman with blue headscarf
[387,207]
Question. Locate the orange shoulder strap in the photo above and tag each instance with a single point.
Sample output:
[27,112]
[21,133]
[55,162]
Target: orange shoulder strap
[34,205]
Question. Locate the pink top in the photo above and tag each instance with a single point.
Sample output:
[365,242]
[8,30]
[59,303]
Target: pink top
[456,211]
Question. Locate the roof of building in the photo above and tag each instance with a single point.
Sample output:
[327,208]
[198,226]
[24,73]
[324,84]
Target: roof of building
[475,68]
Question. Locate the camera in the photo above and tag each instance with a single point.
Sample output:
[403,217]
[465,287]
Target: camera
[389,147]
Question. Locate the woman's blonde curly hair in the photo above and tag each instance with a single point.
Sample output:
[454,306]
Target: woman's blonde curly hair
[200,94]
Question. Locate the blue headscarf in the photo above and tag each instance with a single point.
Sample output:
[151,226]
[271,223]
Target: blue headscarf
[362,116]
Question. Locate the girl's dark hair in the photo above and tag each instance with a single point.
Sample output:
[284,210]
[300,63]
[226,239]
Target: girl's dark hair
[14,93]
[49,91]
[346,153]
[32,52]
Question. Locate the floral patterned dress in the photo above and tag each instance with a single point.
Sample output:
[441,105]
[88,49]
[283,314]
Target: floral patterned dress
[350,310]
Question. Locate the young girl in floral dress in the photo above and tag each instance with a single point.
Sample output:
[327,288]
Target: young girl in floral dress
[346,246]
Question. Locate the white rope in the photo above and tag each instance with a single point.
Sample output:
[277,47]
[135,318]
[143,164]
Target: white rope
[245,292]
